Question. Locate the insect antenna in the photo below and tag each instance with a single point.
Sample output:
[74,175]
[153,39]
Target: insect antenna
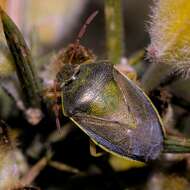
[85,25]
[82,32]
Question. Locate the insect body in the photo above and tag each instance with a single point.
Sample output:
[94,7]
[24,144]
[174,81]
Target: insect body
[113,111]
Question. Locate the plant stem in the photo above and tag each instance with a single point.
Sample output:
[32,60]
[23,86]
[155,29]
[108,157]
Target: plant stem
[113,14]
[181,88]
[176,145]
[154,75]
[185,104]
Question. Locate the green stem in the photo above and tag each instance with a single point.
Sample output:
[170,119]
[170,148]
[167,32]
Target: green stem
[176,145]
[113,14]
[154,75]
[180,89]
[185,104]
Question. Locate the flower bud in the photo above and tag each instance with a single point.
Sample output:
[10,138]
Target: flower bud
[170,34]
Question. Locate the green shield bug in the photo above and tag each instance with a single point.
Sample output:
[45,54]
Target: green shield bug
[110,108]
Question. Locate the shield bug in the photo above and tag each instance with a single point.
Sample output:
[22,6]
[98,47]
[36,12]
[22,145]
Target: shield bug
[110,108]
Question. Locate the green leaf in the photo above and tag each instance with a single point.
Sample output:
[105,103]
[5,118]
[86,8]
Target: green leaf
[173,144]
[23,62]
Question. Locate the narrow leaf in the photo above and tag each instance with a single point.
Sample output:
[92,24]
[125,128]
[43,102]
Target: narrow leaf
[23,62]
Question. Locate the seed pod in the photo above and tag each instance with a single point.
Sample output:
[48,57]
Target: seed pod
[113,111]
